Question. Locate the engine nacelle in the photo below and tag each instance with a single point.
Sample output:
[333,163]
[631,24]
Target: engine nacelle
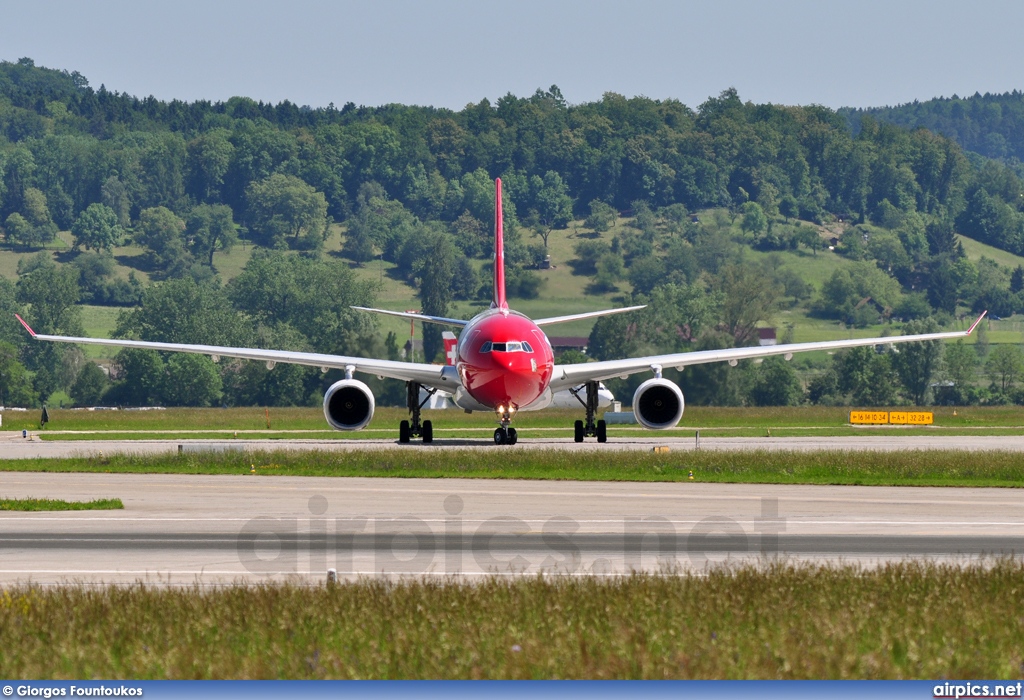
[658,404]
[348,405]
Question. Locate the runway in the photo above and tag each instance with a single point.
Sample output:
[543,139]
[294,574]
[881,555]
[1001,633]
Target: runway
[211,530]
[13,446]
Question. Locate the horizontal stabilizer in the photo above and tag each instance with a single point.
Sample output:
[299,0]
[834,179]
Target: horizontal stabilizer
[589,314]
[416,316]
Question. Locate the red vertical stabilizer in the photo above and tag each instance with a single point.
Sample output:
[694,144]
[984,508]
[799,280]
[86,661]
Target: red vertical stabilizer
[499,301]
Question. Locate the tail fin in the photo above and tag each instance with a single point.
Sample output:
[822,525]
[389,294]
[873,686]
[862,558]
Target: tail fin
[450,353]
[498,301]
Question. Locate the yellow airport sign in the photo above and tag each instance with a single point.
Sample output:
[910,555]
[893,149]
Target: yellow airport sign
[892,417]
[869,417]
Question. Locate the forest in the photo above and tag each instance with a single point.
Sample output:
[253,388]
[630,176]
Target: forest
[693,211]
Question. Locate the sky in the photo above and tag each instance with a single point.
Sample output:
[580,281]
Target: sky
[448,53]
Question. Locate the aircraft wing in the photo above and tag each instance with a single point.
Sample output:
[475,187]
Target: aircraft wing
[573,375]
[438,376]
[589,314]
[415,316]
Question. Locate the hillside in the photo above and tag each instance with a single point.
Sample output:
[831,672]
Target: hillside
[991,125]
[243,222]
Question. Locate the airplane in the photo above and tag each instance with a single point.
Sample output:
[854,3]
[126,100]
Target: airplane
[440,399]
[503,362]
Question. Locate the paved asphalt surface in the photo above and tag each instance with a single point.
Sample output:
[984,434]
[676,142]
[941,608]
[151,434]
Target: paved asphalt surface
[13,446]
[210,530]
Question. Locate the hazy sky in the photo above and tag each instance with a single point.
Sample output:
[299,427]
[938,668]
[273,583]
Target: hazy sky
[449,53]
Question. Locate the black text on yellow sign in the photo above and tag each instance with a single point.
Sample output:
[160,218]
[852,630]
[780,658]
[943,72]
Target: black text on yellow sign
[892,417]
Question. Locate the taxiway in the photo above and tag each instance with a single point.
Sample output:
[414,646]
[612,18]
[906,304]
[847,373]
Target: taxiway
[212,530]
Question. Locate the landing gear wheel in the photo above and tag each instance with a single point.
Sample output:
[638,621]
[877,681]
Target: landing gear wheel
[428,432]
[578,428]
[602,431]
[500,436]
[403,431]
[513,436]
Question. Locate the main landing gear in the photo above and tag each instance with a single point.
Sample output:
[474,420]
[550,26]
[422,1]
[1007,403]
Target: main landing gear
[407,430]
[590,428]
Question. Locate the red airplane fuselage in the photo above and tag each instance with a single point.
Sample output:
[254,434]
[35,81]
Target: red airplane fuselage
[504,359]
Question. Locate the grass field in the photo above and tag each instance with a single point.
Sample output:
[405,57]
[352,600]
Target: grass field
[975,250]
[49,504]
[908,620]
[708,419]
[290,423]
[921,468]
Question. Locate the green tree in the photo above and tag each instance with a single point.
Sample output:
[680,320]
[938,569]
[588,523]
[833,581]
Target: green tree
[602,216]
[916,363]
[52,293]
[283,209]
[775,383]
[97,228]
[37,213]
[191,380]
[748,299]
[10,330]
[807,236]
[184,311]
[114,195]
[1005,365]
[646,273]
[754,222]
[18,230]
[89,386]
[15,385]
[210,228]
[959,365]
[612,338]
[676,316]
[552,200]
[610,269]
[140,378]
[208,160]
[434,274]
[867,376]
[161,233]
[312,296]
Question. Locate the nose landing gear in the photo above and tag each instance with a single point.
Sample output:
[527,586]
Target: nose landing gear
[598,429]
[505,436]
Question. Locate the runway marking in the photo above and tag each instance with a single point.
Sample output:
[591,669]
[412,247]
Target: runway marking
[789,520]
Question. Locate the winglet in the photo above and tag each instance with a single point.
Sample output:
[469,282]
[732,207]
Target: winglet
[499,301]
[969,330]
[29,329]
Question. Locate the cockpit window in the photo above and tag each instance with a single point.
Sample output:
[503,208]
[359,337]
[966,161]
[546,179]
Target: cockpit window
[510,346]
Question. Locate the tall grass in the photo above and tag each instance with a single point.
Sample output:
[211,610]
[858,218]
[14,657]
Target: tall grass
[50,504]
[907,620]
[924,468]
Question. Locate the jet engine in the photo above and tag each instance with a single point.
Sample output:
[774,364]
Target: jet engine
[658,404]
[348,405]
